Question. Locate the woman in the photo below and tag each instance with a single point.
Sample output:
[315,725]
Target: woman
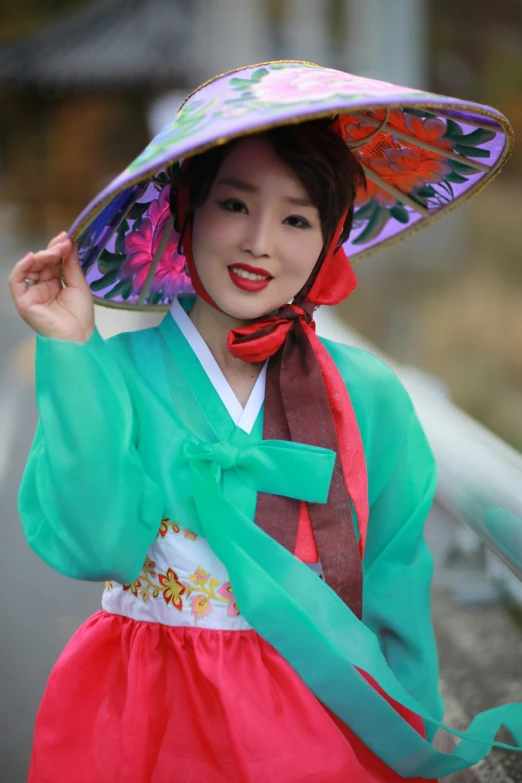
[237,481]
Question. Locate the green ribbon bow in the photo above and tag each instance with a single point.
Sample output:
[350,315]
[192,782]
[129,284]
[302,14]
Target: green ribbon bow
[277,467]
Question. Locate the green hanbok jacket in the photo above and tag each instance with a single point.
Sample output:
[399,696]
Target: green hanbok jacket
[134,429]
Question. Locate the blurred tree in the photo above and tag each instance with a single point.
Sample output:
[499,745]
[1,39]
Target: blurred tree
[336,21]
[479,55]
[64,137]
[18,17]
[275,11]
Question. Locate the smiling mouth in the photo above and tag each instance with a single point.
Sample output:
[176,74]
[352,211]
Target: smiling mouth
[250,273]
[249,278]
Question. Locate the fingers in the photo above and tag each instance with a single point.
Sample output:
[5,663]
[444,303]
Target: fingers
[72,271]
[17,285]
[39,267]
[58,238]
[50,257]
[45,268]
[33,264]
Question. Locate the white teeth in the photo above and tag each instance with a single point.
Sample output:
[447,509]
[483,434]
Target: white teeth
[247,275]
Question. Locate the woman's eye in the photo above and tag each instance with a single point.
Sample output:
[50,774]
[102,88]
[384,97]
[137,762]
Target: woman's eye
[297,222]
[232,205]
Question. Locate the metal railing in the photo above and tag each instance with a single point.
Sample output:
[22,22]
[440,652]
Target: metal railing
[480,476]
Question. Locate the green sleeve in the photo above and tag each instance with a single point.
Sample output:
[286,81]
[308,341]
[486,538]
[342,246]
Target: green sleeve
[397,564]
[87,507]
[398,568]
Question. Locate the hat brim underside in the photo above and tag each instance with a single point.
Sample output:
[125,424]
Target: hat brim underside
[423,154]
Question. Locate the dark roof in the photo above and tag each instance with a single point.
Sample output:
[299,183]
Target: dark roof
[109,43]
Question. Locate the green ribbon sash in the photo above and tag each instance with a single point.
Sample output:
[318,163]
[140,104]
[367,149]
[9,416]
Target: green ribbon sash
[306,622]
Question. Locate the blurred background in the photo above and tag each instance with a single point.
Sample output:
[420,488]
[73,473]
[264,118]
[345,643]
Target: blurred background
[85,84]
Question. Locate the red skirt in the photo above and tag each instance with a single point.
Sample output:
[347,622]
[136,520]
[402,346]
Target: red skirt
[140,702]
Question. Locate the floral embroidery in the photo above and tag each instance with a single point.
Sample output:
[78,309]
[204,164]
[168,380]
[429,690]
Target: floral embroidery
[141,245]
[136,248]
[190,534]
[429,178]
[426,176]
[168,524]
[199,576]
[398,162]
[173,589]
[200,591]
[298,84]
[282,84]
[409,169]
[165,525]
[200,606]
[193,117]
[149,567]
[133,587]
[226,591]
[203,590]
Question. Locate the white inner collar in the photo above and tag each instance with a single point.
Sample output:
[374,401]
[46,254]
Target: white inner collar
[244,418]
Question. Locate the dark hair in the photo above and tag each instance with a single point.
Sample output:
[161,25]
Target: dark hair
[315,153]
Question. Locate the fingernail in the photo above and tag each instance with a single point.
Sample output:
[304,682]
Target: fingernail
[27,256]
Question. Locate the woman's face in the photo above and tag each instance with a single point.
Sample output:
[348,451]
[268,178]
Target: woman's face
[257,237]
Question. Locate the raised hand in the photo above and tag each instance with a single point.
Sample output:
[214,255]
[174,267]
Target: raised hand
[52,310]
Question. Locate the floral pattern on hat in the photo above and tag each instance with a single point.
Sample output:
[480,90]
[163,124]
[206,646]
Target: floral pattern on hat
[430,152]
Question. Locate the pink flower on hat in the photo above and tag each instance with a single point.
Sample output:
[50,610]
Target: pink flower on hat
[292,85]
[141,245]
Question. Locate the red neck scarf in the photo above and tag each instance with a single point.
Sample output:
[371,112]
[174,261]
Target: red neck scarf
[307,402]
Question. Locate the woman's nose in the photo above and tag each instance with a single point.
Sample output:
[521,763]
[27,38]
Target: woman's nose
[258,237]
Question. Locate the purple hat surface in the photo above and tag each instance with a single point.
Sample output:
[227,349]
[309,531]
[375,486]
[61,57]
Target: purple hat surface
[422,153]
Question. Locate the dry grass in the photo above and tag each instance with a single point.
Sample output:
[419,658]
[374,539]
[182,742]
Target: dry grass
[461,319]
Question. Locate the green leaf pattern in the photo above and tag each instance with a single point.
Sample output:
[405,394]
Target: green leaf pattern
[269,90]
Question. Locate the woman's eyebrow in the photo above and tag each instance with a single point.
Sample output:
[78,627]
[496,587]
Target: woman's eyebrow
[247,187]
[239,184]
[298,202]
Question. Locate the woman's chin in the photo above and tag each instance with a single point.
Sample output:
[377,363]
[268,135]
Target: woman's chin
[247,307]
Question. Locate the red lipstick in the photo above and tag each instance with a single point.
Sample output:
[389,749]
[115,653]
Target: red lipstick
[246,284]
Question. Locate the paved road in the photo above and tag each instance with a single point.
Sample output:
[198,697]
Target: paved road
[39,608]
[480,651]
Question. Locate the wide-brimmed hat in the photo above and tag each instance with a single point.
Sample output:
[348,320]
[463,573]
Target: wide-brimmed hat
[422,153]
